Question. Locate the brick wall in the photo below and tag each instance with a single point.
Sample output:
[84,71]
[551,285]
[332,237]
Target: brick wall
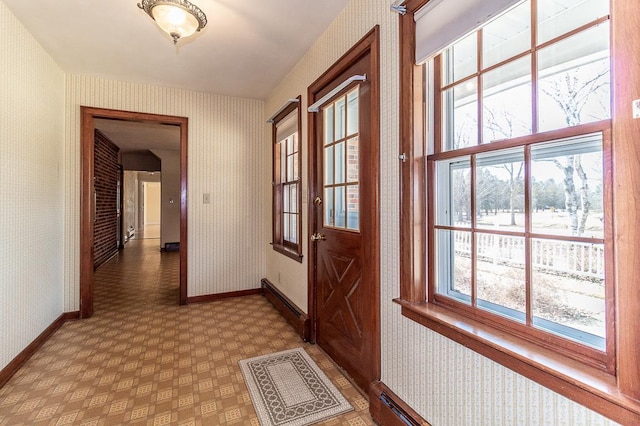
[106,173]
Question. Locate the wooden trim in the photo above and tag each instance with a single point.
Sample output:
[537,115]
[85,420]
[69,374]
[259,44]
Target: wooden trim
[564,133]
[289,311]
[625,45]
[184,200]
[412,172]
[368,44]
[88,116]
[288,252]
[616,396]
[385,415]
[221,296]
[585,385]
[294,251]
[16,363]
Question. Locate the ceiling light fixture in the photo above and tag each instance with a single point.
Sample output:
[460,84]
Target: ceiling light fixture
[178,18]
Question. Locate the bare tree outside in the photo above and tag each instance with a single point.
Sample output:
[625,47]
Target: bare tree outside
[572,92]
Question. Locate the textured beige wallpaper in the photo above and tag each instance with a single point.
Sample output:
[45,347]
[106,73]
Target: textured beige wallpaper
[445,382]
[31,190]
[225,136]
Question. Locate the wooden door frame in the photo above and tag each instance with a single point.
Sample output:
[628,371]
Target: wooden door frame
[369,44]
[88,116]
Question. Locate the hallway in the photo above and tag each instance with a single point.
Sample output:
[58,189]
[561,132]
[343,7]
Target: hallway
[144,359]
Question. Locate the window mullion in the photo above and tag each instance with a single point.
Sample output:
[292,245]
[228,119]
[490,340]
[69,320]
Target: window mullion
[534,66]
[527,239]
[479,85]
[474,287]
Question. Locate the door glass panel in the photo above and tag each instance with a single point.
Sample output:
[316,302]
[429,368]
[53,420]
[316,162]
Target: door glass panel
[340,212]
[352,112]
[353,207]
[328,165]
[328,125]
[328,207]
[339,164]
[340,118]
[353,158]
[341,203]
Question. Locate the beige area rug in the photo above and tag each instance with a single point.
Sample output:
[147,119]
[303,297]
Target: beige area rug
[288,389]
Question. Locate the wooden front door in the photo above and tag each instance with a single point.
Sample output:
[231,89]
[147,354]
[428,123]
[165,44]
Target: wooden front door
[344,219]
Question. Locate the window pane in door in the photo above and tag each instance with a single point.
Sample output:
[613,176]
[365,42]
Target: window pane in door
[328,125]
[353,158]
[340,162]
[340,118]
[340,207]
[328,165]
[329,211]
[352,112]
[353,207]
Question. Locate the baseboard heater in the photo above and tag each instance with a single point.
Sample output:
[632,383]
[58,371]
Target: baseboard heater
[289,311]
[389,410]
[397,410]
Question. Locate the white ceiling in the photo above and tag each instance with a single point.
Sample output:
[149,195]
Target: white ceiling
[246,49]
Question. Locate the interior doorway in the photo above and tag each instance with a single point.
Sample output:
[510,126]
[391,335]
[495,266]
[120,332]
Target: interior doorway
[88,117]
[151,207]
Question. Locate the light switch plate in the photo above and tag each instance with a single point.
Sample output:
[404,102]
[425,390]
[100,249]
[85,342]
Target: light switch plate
[206,199]
[635,108]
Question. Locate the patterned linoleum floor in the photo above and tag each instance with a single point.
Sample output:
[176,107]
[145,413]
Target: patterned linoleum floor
[142,359]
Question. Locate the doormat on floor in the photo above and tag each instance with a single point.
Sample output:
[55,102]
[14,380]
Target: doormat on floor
[288,389]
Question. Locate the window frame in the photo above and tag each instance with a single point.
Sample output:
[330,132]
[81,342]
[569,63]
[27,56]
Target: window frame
[612,391]
[279,243]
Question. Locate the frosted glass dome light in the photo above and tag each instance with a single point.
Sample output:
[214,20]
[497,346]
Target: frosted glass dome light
[178,18]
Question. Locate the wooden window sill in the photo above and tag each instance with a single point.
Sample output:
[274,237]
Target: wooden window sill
[287,252]
[588,386]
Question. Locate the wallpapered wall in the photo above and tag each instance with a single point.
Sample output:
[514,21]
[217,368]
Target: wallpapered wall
[445,382]
[31,144]
[225,134]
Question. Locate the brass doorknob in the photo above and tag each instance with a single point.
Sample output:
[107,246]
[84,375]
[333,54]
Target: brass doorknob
[318,237]
[317,201]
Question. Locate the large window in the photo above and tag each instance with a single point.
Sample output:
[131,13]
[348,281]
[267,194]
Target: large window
[508,244]
[287,217]
[518,179]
